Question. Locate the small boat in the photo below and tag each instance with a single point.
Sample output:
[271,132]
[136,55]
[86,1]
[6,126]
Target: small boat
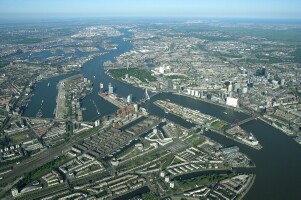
[166,112]
[225,113]
[93,76]
[48,84]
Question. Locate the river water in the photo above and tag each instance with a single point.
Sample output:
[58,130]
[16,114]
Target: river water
[278,164]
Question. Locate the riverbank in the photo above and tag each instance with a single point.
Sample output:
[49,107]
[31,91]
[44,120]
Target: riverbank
[257,147]
[278,152]
[207,121]
[248,187]
[112,100]
[277,127]
[211,102]
[239,110]
[142,87]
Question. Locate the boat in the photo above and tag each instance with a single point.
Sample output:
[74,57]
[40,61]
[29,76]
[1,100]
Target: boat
[48,84]
[225,113]
[93,76]
[166,112]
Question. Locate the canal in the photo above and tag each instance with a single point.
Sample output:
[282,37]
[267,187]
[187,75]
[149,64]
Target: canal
[278,164]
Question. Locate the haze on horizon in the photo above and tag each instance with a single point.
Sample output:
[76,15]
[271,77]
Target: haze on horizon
[271,9]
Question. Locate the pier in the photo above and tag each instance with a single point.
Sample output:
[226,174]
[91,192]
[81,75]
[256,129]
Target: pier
[113,101]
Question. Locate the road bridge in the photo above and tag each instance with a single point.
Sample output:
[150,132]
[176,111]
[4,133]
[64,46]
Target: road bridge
[239,123]
[147,96]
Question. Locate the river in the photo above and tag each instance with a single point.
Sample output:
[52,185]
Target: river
[278,164]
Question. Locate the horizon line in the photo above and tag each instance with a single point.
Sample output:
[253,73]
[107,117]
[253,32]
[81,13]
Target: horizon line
[121,17]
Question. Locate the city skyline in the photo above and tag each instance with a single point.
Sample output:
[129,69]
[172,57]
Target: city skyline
[278,9]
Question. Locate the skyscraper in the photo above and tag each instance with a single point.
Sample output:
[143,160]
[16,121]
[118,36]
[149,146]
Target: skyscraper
[282,82]
[264,71]
[111,89]
[136,107]
[169,84]
[230,87]
[129,98]
[101,87]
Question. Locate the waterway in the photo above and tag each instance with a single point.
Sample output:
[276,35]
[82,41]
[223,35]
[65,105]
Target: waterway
[278,164]
[90,69]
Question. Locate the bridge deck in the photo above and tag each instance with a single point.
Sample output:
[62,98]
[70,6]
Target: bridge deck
[246,120]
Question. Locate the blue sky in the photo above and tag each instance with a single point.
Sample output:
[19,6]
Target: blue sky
[152,8]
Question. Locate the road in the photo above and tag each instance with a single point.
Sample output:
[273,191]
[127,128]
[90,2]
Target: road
[41,158]
[9,186]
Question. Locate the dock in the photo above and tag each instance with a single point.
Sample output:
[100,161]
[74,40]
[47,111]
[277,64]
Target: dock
[113,101]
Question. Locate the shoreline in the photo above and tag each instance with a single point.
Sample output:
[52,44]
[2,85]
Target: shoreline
[258,147]
[109,99]
[214,103]
[217,104]
[236,140]
[277,127]
[248,187]
[238,110]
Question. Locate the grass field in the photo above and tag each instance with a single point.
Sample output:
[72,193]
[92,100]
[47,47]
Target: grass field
[196,140]
[3,64]
[143,75]
[220,125]
[176,77]
[189,184]
[41,171]
[167,161]
[19,138]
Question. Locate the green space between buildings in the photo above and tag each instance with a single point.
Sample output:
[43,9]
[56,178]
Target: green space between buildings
[143,75]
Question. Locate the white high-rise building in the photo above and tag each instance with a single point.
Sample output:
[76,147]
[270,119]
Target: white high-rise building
[188,91]
[192,92]
[111,89]
[231,101]
[101,87]
[167,179]
[129,98]
[136,107]
[282,82]
[230,88]
[97,123]
[244,90]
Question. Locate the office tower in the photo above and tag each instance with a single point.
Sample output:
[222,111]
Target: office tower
[111,89]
